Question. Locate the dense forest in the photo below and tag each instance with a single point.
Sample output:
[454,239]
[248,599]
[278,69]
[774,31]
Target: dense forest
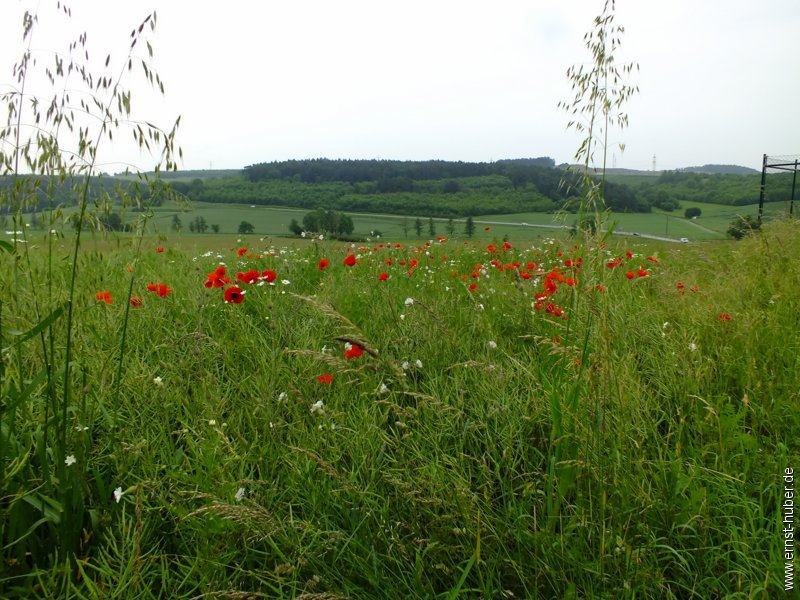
[432,188]
[426,188]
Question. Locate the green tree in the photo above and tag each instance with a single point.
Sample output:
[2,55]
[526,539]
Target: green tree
[246,227]
[295,227]
[469,227]
[418,226]
[200,225]
[692,212]
[345,224]
[743,225]
[215,228]
[431,227]
[405,227]
[451,226]
[176,223]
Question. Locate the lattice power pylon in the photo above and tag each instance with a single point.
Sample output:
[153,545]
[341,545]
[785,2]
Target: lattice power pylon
[778,163]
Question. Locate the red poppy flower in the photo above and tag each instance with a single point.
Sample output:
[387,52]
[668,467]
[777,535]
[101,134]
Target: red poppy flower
[629,254]
[507,246]
[234,295]
[354,351]
[250,276]
[160,289]
[614,263]
[724,317]
[160,249]
[487,228]
[473,287]
[601,288]
[630,274]
[269,276]
[530,266]
[325,378]
[680,285]
[350,260]
[241,252]
[323,264]
[642,273]
[652,259]
[103,297]
[383,276]
[217,279]
[136,302]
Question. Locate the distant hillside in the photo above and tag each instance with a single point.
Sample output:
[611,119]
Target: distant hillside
[721,170]
[188,174]
[705,169]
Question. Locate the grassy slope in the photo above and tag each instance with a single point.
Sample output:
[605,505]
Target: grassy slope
[635,447]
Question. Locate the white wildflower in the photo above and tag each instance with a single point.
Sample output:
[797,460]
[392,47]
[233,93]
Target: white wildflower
[692,346]
[282,396]
[405,365]
[212,422]
[285,282]
[239,494]
[492,345]
[383,389]
[418,363]
[70,460]
[318,407]
[409,301]
[158,381]
[118,494]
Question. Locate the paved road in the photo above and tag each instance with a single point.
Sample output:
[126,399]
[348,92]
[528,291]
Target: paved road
[565,227]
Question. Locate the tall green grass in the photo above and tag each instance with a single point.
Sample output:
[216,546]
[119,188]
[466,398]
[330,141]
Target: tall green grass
[557,463]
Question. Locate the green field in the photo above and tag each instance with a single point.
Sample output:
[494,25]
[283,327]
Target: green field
[711,225]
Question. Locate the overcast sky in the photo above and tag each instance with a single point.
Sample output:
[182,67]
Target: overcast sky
[264,80]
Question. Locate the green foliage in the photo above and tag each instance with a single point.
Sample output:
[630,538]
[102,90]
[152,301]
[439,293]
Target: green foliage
[295,227]
[198,225]
[329,222]
[245,227]
[743,225]
[53,491]
[469,227]
[692,212]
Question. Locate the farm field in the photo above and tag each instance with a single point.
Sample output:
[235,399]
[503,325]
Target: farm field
[275,221]
[243,416]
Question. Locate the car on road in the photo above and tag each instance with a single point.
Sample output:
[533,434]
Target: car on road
[684,240]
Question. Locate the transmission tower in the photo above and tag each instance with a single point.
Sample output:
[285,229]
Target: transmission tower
[654,162]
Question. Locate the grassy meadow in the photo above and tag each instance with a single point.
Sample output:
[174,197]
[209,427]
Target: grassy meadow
[229,416]
[274,221]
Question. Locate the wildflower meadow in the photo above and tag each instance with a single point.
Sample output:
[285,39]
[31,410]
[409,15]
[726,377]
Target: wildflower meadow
[587,416]
[387,419]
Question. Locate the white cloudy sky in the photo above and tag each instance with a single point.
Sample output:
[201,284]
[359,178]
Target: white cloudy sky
[263,80]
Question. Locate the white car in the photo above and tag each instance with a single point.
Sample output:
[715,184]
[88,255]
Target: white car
[684,241]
